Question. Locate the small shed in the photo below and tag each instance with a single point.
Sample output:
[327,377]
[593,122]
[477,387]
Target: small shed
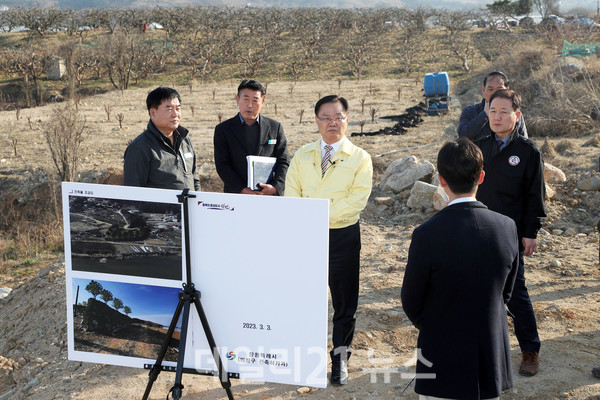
[56,69]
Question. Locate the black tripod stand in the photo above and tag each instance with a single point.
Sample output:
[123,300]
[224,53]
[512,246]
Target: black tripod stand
[188,295]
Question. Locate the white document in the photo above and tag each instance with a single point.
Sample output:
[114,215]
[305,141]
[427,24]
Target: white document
[260,170]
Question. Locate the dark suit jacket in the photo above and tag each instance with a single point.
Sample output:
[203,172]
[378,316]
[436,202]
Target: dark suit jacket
[231,151]
[461,269]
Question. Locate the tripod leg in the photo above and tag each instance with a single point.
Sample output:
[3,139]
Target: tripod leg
[177,387]
[153,374]
[223,376]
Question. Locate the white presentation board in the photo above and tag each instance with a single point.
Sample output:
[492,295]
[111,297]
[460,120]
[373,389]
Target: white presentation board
[259,263]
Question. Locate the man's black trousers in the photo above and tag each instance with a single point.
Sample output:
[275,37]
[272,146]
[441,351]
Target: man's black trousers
[521,309]
[344,266]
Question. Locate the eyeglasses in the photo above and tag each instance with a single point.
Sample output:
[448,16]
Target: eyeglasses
[339,118]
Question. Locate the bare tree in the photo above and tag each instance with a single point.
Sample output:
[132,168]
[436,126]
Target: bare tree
[120,54]
[373,112]
[410,44]
[361,42]
[10,19]
[257,55]
[174,20]
[457,39]
[28,63]
[359,52]
[198,54]
[120,117]
[39,20]
[546,7]
[65,132]
[306,35]
[362,123]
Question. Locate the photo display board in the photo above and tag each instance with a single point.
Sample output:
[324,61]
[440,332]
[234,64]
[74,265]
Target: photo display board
[259,263]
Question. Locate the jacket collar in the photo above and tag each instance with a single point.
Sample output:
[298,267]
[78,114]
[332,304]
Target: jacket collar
[345,147]
[181,131]
[463,206]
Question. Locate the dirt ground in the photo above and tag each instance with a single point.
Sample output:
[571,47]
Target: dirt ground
[563,276]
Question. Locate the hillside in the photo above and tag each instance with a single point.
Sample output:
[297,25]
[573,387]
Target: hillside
[563,277]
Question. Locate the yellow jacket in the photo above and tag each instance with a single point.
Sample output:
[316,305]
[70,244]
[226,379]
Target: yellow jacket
[347,182]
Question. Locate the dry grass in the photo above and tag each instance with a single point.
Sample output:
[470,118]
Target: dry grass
[560,95]
[594,141]
[564,146]
[548,150]
[31,232]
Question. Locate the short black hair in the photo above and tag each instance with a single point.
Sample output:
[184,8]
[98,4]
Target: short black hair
[160,94]
[252,85]
[332,98]
[460,164]
[509,95]
[496,74]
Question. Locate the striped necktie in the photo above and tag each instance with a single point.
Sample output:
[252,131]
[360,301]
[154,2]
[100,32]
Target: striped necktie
[500,144]
[326,158]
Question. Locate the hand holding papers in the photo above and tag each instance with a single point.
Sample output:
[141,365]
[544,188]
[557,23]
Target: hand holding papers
[260,170]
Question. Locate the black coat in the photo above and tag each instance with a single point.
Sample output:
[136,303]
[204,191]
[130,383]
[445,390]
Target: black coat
[231,150]
[461,269]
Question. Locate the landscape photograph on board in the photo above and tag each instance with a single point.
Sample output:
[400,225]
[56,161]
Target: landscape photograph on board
[125,237]
[124,319]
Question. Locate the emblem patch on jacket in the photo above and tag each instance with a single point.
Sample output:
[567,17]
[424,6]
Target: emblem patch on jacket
[514,160]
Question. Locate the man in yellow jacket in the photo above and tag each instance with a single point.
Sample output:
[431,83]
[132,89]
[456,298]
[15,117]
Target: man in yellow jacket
[335,169]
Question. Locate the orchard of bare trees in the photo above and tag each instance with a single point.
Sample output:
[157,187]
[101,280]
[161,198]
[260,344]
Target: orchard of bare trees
[104,49]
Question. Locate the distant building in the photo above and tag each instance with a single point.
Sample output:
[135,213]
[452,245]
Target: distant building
[56,70]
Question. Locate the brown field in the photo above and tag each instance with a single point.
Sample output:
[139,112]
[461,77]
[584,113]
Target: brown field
[563,277]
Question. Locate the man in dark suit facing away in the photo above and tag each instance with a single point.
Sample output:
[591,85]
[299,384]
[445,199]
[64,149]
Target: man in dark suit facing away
[461,269]
[250,133]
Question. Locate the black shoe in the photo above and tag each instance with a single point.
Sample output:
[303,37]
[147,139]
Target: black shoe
[596,372]
[339,372]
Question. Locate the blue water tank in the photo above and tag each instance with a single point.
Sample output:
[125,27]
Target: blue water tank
[436,84]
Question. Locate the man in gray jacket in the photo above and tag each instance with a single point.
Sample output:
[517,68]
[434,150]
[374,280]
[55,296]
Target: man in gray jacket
[163,155]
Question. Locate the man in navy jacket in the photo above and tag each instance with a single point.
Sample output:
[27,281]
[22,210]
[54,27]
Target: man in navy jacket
[460,273]
[514,186]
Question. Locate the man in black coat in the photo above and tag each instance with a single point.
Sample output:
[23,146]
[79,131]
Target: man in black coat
[474,119]
[461,269]
[514,186]
[250,133]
